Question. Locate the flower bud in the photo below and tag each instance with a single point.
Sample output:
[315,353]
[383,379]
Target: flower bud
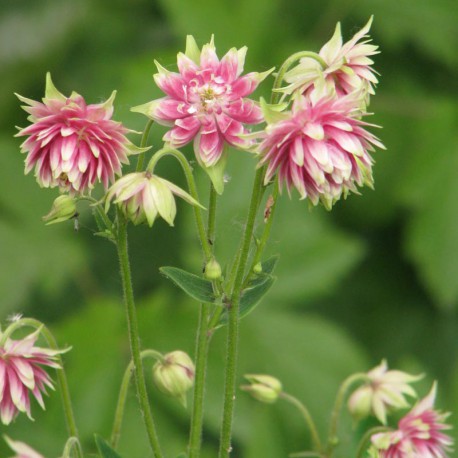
[63,209]
[213,270]
[264,388]
[174,375]
[257,269]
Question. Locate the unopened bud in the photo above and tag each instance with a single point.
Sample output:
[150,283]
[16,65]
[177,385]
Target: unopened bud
[174,375]
[63,208]
[213,270]
[257,269]
[264,388]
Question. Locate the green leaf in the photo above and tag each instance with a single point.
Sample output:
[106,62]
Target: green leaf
[196,287]
[104,449]
[251,297]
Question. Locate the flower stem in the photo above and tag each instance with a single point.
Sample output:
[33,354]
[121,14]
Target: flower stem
[233,325]
[362,447]
[308,420]
[141,157]
[202,345]
[61,376]
[134,336]
[340,398]
[73,444]
[116,431]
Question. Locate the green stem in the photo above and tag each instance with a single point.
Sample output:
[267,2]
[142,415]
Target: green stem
[141,156]
[61,377]
[340,398]
[116,431]
[73,444]
[285,67]
[362,447]
[233,325]
[202,346]
[308,420]
[134,335]
[99,208]
[192,190]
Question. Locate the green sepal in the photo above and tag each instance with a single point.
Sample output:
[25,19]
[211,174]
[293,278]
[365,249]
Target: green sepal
[51,92]
[104,449]
[192,50]
[216,172]
[194,286]
[273,113]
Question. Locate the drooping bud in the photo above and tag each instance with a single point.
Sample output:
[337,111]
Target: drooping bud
[63,209]
[264,388]
[174,375]
[213,270]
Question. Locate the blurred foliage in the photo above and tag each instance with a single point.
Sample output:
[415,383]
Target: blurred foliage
[376,277]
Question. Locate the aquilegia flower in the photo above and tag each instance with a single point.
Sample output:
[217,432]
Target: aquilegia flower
[205,101]
[384,391]
[73,145]
[143,195]
[21,371]
[419,434]
[348,66]
[22,450]
[319,147]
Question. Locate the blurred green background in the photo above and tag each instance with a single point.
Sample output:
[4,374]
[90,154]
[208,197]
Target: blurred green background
[375,278]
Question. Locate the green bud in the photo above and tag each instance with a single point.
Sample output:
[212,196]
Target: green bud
[213,270]
[174,375]
[264,388]
[257,269]
[63,209]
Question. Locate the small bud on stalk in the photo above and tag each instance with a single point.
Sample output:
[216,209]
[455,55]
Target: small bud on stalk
[63,209]
[174,375]
[264,388]
[213,270]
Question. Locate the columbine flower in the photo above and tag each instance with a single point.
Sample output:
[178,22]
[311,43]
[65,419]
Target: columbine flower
[73,145]
[264,388]
[22,450]
[205,102]
[348,66]
[385,390]
[21,371]
[320,147]
[419,433]
[174,375]
[142,196]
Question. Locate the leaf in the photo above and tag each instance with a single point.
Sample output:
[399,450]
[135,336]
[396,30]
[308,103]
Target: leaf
[196,287]
[104,449]
[251,298]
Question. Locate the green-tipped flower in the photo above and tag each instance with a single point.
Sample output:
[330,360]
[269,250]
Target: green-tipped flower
[142,196]
[213,270]
[63,209]
[264,388]
[384,391]
[174,375]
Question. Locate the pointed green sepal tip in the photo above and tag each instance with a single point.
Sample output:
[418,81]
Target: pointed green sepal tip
[192,50]
[51,91]
[216,173]
[108,104]
[273,113]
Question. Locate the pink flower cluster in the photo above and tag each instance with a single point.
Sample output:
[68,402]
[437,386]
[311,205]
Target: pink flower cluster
[73,145]
[419,434]
[321,146]
[21,371]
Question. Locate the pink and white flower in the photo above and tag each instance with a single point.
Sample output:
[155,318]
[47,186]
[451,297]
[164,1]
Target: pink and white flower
[22,450]
[320,147]
[384,391]
[142,196]
[73,145]
[21,371]
[348,66]
[206,101]
[419,434]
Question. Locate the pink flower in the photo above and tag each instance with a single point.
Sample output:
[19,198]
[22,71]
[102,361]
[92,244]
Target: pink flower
[73,145]
[143,196]
[419,433]
[22,450]
[21,371]
[348,66]
[205,101]
[319,147]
